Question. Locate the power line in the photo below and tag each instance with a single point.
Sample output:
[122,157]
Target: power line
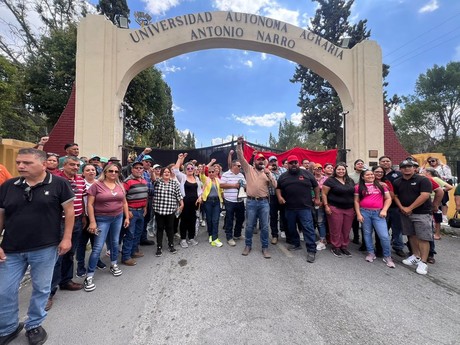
[422,34]
[426,44]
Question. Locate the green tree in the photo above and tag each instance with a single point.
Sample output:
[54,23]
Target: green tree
[113,7]
[430,119]
[50,73]
[318,101]
[291,135]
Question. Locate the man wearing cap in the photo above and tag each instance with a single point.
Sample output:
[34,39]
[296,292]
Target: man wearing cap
[71,149]
[148,175]
[275,206]
[96,161]
[136,195]
[394,216]
[412,195]
[258,179]
[294,190]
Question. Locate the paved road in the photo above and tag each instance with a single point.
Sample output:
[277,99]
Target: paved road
[206,295]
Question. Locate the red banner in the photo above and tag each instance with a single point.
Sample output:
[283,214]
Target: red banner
[322,157]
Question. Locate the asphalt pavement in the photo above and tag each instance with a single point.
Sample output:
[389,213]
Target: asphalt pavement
[207,295]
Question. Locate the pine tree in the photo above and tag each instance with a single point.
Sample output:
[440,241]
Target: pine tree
[318,101]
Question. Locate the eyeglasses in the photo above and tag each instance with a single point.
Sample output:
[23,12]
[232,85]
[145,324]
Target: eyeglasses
[211,171]
[431,161]
[318,168]
[28,194]
[190,168]
[113,171]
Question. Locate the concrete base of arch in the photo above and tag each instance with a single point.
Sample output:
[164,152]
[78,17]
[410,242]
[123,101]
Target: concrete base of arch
[108,58]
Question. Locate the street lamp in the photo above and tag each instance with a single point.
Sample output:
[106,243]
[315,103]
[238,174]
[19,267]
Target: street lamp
[121,21]
[344,143]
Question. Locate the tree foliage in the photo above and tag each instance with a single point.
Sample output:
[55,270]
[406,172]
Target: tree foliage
[318,101]
[291,135]
[430,119]
[113,7]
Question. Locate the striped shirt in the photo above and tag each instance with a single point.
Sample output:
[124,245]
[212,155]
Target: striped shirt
[136,192]
[231,194]
[78,186]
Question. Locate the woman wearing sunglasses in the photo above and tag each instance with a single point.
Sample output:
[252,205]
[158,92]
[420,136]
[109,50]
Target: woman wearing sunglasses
[191,189]
[106,206]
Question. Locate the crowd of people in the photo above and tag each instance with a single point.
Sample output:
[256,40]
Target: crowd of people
[62,203]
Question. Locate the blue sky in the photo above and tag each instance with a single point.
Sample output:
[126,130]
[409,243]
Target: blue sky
[219,93]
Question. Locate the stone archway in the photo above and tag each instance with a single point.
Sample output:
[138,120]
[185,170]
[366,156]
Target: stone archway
[108,58]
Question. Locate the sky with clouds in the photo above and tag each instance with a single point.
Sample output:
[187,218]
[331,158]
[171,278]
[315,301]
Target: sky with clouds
[220,93]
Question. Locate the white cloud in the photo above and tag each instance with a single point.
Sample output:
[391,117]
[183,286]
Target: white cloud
[248,63]
[263,56]
[246,6]
[283,14]
[218,140]
[167,68]
[266,120]
[429,7]
[176,108]
[296,118]
[457,54]
[159,7]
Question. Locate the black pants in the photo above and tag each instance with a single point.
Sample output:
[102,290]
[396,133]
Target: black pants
[275,207]
[188,219]
[165,223]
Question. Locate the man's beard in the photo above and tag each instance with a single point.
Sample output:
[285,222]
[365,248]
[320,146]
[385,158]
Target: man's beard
[293,170]
[260,166]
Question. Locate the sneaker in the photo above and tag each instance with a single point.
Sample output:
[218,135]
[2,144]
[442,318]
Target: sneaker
[422,268]
[210,239]
[336,252]
[301,236]
[274,240]
[282,234]
[129,262]
[345,252]
[193,242]
[172,250]
[216,243]
[444,219]
[370,257]
[177,235]
[89,284]
[158,253]
[116,271]
[101,266]
[183,243]
[293,247]
[203,223]
[311,257]
[6,339]
[389,261]
[81,272]
[37,336]
[237,238]
[320,246]
[411,261]
[231,242]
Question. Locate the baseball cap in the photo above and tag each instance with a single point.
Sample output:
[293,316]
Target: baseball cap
[259,156]
[272,158]
[95,157]
[292,158]
[113,159]
[156,166]
[147,158]
[406,163]
[136,163]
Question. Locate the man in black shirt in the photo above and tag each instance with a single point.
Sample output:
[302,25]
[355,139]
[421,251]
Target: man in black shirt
[31,209]
[412,195]
[294,190]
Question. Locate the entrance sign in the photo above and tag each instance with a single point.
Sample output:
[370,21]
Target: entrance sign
[108,58]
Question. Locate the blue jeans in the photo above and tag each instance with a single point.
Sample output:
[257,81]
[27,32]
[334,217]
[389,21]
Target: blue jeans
[394,222]
[372,221]
[233,211]
[11,273]
[319,217]
[64,267]
[212,207]
[305,219]
[111,226]
[133,234]
[257,209]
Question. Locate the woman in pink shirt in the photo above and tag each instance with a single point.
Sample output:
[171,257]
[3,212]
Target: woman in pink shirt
[372,200]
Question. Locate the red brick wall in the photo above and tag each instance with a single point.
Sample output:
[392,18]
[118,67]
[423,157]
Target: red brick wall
[63,131]
[393,147]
